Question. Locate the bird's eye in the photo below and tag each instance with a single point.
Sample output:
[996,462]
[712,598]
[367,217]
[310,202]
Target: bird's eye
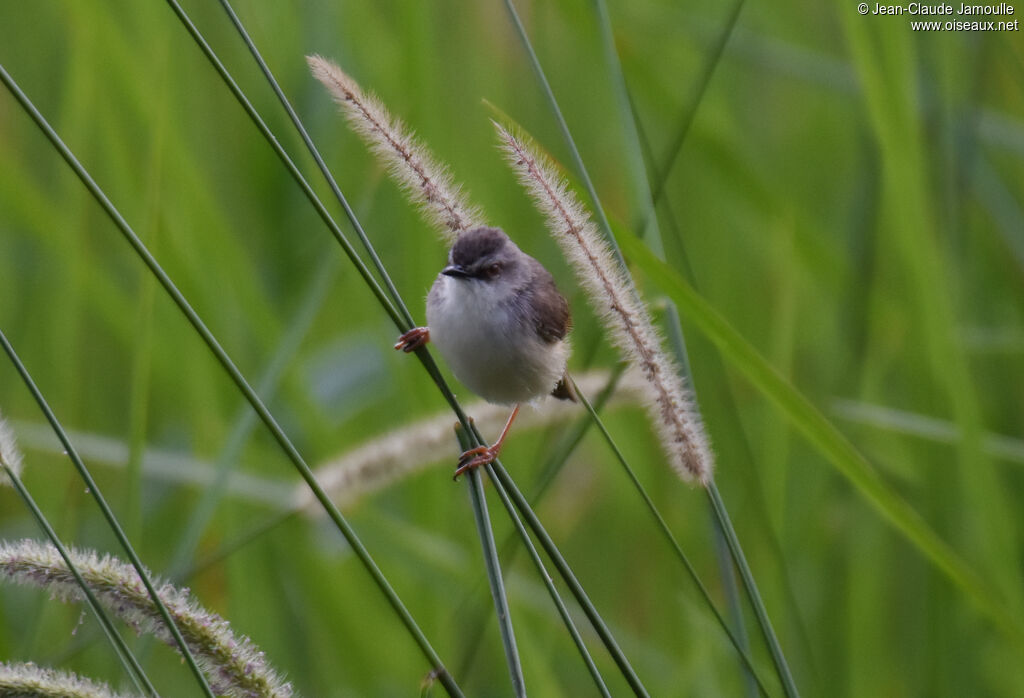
[493,270]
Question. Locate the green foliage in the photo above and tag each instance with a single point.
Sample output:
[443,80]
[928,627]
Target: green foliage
[849,198]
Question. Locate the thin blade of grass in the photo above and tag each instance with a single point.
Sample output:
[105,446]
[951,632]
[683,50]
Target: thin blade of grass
[824,436]
[422,354]
[493,567]
[676,335]
[662,526]
[731,591]
[559,604]
[556,111]
[682,130]
[897,421]
[402,320]
[93,488]
[636,168]
[647,227]
[788,684]
[314,200]
[128,660]
[240,382]
[315,152]
[501,478]
[713,366]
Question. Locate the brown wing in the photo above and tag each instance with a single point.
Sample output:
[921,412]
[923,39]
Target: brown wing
[549,309]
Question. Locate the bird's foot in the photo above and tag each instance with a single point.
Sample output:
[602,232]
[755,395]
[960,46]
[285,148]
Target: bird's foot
[413,339]
[475,457]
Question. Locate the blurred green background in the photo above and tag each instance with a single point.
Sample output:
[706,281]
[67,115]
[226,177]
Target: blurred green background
[849,196]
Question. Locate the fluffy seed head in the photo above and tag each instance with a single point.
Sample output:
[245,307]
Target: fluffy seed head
[616,301]
[10,454]
[233,665]
[425,181]
[390,457]
[27,679]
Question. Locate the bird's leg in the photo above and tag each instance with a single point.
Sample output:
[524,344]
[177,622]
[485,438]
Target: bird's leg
[413,339]
[482,455]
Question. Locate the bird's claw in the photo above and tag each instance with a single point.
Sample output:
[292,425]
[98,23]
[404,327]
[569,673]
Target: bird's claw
[413,339]
[474,458]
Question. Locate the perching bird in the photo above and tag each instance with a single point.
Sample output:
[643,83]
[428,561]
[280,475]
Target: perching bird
[498,320]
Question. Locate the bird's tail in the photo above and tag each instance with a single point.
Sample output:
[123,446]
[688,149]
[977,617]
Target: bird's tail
[564,390]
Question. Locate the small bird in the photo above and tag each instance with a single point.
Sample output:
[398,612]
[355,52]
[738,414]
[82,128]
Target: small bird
[496,316]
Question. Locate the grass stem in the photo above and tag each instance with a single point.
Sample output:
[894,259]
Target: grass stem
[546,577]
[94,490]
[788,685]
[493,567]
[131,664]
[423,354]
[673,543]
[240,382]
[502,477]
[574,152]
[315,152]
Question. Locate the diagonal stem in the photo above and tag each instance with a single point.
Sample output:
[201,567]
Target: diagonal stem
[574,152]
[562,610]
[94,490]
[402,320]
[131,664]
[240,382]
[423,354]
[690,111]
[315,152]
[673,543]
[753,594]
[720,511]
[318,206]
[493,567]
[501,478]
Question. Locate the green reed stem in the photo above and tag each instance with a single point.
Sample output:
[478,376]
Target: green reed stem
[542,570]
[682,129]
[128,660]
[556,111]
[315,152]
[754,597]
[733,602]
[751,586]
[364,272]
[603,220]
[716,366]
[500,477]
[493,567]
[240,382]
[403,320]
[423,354]
[91,485]
[673,543]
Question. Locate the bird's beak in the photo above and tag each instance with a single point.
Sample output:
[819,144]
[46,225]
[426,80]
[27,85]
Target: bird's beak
[456,270]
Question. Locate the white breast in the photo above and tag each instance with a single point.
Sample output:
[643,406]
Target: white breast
[493,352]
